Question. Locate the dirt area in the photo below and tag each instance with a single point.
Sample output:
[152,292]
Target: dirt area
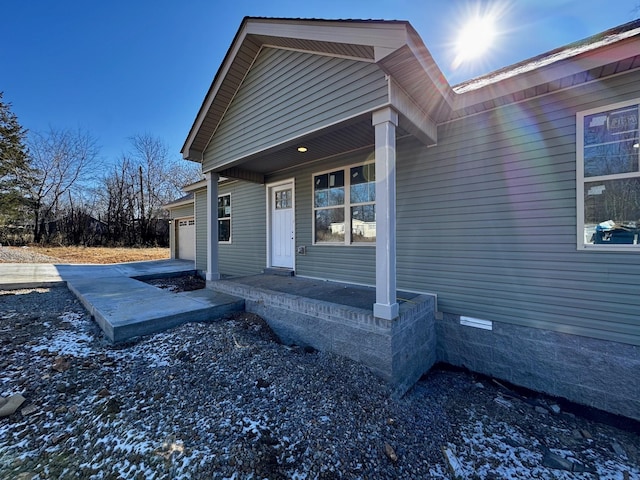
[97,255]
[182,283]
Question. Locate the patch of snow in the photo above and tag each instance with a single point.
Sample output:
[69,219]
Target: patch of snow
[68,343]
[73,318]
[487,454]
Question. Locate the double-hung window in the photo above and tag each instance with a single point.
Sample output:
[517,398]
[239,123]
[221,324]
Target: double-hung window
[608,177]
[344,206]
[224,218]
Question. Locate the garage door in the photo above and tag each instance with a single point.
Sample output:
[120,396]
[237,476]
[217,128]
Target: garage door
[187,238]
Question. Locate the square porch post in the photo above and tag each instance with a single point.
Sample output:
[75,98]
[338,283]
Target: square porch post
[213,272]
[385,122]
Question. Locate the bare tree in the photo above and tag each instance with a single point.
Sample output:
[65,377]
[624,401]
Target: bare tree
[143,180]
[62,160]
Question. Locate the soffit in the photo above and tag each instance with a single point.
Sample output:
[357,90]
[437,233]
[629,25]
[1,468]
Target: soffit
[357,52]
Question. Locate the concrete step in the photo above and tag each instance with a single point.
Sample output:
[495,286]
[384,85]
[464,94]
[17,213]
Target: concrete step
[126,308]
[280,271]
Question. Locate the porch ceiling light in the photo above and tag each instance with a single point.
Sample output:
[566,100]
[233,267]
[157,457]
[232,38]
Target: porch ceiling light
[302,149]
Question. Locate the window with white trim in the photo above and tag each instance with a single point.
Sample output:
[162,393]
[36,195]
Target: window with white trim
[224,218]
[344,206]
[608,177]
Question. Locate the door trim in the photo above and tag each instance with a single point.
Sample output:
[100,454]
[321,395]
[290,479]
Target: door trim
[269,189]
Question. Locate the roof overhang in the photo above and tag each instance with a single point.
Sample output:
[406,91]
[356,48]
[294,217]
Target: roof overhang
[393,45]
[180,202]
[417,87]
[592,55]
[200,184]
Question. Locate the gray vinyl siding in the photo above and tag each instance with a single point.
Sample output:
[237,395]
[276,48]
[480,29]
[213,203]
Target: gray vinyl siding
[201,230]
[183,211]
[246,254]
[287,94]
[354,263]
[487,220]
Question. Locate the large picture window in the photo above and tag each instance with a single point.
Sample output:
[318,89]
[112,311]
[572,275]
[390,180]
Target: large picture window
[608,177]
[344,206]
[224,218]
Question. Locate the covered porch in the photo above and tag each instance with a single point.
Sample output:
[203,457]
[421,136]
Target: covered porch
[347,87]
[303,110]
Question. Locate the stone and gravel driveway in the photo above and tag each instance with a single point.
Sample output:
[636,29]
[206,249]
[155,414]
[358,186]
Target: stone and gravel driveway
[226,400]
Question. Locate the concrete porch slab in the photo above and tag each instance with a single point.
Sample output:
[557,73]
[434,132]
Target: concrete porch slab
[32,275]
[126,308]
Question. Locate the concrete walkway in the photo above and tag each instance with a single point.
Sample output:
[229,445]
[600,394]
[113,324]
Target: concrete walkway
[123,306]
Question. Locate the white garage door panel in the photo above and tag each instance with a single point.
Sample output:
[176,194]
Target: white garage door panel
[187,238]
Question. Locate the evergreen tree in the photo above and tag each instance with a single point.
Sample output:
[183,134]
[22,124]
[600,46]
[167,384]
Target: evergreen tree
[15,172]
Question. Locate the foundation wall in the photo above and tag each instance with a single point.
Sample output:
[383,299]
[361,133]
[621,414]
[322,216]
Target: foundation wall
[596,373]
[398,350]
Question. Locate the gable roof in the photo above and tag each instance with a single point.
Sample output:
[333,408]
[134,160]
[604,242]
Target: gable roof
[393,45]
[399,51]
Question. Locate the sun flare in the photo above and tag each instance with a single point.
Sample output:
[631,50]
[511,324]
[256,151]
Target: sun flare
[475,38]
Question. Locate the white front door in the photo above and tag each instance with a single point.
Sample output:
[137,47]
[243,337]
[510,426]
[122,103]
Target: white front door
[282,226]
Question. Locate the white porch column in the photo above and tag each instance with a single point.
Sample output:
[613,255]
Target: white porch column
[385,122]
[213,272]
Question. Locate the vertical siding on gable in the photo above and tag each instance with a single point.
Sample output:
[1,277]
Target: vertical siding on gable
[354,263]
[288,93]
[246,254]
[201,230]
[487,220]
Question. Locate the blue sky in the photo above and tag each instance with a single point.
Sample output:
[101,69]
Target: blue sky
[122,67]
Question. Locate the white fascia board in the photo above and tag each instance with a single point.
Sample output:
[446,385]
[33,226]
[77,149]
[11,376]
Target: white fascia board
[378,35]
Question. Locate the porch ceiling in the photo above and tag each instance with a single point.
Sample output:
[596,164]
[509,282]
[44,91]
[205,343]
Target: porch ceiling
[347,137]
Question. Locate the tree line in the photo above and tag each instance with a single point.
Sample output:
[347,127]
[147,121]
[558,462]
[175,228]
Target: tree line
[56,189]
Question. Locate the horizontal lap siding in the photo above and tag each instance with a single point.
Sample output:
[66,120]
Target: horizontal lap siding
[355,264]
[184,211]
[287,94]
[487,220]
[201,230]
[246,254]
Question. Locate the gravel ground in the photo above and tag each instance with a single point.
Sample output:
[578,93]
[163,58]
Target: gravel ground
[23,255]
[226,400]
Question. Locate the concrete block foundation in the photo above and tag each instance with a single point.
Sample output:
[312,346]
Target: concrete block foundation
[398,350]
[596,373]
